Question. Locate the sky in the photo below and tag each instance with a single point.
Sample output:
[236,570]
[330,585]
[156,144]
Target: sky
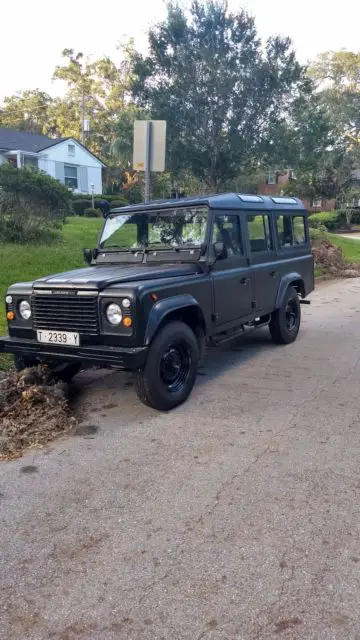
[34,33]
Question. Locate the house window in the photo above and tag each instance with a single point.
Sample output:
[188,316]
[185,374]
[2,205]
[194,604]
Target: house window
[259,233]
[317,203]
[272,177]
[290,231]
[71,176]
[30,161]
[71,149]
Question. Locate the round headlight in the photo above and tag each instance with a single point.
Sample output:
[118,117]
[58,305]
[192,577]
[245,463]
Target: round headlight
[113,314]
[8,299]
[25,310]
[126,303]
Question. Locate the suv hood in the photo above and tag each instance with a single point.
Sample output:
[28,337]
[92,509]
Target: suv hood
[99,277]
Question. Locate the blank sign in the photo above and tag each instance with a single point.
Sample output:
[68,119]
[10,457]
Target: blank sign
[158,143]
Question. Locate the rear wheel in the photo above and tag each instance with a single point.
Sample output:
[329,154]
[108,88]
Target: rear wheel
[171,367]
[285,322]
[62,371]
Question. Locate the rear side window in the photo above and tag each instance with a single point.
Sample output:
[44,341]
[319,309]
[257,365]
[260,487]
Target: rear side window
[290,231]
[259,233]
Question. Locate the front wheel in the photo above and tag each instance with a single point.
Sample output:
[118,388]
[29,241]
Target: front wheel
[171,367]
[285,322]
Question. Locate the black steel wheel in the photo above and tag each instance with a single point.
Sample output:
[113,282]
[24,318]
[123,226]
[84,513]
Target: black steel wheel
[171,368]
[285,322]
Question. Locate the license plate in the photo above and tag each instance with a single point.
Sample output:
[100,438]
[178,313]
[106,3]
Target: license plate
[59,337]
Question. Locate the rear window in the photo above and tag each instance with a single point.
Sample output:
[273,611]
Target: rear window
[259,233]
[290,231]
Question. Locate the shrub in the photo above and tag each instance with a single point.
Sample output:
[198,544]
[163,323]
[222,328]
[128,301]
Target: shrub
[79,206]
[92,213]
[119,203]
[328,219]
[103,205]
[23,227]
[43,195]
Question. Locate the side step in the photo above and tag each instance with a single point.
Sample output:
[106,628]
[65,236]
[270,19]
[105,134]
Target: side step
[221,338]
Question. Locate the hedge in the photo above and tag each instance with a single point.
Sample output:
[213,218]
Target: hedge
[79,206]
[99,196]
[118,203]
[331,220]
[92,213]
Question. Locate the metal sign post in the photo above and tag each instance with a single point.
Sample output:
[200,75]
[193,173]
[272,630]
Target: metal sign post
[148,159]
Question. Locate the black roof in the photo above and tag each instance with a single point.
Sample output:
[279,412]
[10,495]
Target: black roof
[12,140]
[224,201]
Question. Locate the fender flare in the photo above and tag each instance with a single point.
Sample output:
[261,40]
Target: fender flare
[164,307]
[285,282]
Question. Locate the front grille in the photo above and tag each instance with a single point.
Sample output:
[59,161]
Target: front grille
[65,313]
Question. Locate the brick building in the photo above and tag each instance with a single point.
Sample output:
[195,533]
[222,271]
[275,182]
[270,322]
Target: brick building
[274,180]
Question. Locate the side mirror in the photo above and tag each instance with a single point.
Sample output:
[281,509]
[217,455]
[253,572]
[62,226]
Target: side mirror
[88,255]
[219,250]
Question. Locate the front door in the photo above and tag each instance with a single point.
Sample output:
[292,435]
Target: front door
[231,273]
[266,274]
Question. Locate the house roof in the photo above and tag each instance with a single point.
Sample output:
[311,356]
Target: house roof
[11,140]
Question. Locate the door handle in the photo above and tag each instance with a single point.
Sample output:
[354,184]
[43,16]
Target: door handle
[273,274]
[245,281]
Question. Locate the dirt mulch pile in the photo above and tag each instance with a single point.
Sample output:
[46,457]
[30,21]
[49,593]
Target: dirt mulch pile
[34,409]
[332,260]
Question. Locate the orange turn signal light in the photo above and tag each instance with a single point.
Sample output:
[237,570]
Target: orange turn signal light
[127,322]
[10,315]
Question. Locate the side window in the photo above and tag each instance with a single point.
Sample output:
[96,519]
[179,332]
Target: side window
[227,230]
[290,231]
[259,233]
[299,235]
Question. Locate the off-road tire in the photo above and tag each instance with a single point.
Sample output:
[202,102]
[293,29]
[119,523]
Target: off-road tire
[285,322]
[174,343]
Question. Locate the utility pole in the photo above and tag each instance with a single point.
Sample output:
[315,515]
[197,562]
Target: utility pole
[83,118]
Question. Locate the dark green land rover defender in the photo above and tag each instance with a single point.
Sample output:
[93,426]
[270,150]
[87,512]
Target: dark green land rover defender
[166,279]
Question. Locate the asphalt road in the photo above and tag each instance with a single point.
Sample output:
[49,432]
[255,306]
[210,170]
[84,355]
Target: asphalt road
[235,517]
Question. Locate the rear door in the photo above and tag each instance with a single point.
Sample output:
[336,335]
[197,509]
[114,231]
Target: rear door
[231,274]
[293,243]
[263,258]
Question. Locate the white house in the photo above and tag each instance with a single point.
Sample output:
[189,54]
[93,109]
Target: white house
[63,158]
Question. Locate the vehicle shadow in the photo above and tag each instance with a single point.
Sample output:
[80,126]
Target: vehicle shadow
[101,384]
[221,359]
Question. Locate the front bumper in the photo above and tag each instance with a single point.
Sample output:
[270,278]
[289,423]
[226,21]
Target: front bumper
[99,355]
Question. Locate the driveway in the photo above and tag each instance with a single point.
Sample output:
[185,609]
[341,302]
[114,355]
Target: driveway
[235,517]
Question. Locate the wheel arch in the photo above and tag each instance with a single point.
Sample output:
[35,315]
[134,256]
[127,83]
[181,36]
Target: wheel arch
[290,280]
[183,307]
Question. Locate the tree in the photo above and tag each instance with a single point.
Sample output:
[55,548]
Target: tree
[337,74]
[208,76]
[121,148]
[98,90]
[28,111]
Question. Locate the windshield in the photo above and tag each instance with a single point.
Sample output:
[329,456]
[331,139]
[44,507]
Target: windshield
[177,228]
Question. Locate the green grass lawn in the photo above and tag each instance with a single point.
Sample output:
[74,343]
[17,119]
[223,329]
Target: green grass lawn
[20,263]
[350,247]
